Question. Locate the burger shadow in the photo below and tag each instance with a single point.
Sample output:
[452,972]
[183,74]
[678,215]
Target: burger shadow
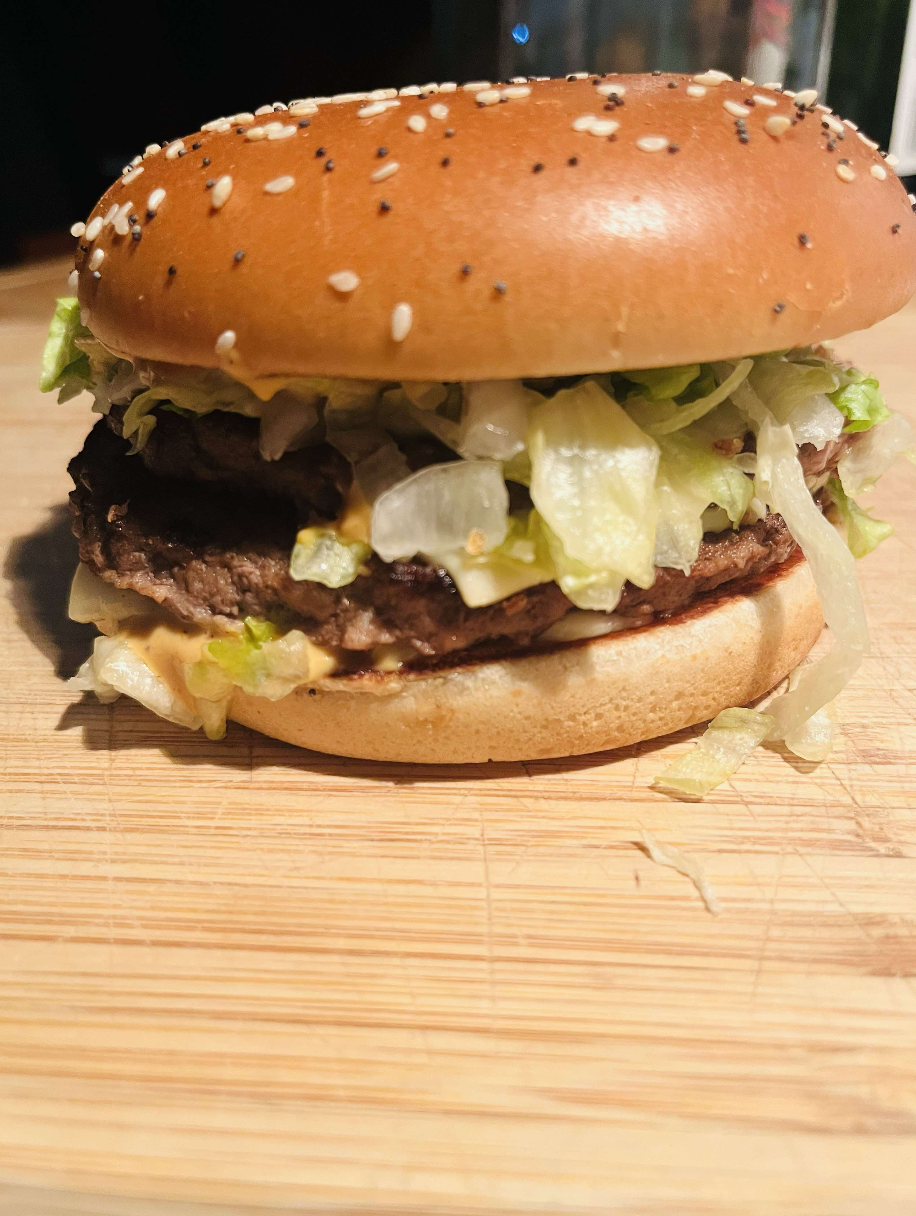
[126,726]
[39,568]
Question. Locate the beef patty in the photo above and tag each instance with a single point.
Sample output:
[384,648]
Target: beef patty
[212,552]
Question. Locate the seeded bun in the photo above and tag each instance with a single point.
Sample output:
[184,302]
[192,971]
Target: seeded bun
[521,246]
[577,698]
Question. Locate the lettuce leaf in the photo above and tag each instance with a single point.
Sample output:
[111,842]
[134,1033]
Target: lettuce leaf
[63,365]
[320,555]
[863,533]
[669,417]
[115,668]
[661,383]
[260,662]
[594,590]
[593,482]
[727,742]
[861,402]
[870,457]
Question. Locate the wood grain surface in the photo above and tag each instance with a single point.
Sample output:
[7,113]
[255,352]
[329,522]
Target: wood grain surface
[242,978]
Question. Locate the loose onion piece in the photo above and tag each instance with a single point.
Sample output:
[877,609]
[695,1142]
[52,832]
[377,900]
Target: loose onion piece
[874,452]
[494,422]
[665,855]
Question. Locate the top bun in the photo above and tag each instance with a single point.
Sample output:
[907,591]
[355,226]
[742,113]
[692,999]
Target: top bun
[523,246]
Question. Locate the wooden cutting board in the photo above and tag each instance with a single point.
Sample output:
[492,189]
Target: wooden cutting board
[241,975]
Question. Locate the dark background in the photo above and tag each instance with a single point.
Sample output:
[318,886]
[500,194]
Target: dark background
[85,86]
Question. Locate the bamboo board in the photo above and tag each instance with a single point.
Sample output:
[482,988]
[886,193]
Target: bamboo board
[239,978]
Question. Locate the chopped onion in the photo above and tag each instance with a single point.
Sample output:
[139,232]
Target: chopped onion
[720,751]
[874,452]
[93,601]
[816,420]
[440,508]
[494,421]
[580,623]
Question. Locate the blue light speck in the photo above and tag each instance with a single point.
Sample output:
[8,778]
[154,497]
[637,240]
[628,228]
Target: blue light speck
[520,33]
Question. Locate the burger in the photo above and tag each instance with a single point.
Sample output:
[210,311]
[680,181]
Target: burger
[449,424]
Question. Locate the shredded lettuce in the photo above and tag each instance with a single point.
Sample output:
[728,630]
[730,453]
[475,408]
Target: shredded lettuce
[690,477]
[861,402]
[63,365]
[115,668]
[668,416]
[594,590]
[873,453]
[320,555]
[863,533]
[662,383]
[260,662]
[494,421]
[593,482]
[719,752]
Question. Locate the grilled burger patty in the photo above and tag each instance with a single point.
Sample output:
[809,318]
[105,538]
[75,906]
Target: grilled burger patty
[204,526]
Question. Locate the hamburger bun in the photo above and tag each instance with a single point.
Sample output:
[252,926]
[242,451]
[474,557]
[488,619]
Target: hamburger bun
[522,246]
[579,697]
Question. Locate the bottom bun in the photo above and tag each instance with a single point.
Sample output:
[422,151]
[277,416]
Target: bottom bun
[579,697]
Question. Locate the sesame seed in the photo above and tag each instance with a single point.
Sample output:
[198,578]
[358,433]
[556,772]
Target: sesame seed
[777,308]
[895,228]
[221,191]
[280,132]
[892,160]
[832,124]
[674,147]
[853,126]
[93,228]
[489,97]
[320,151]
[154,201]
[225,342]
[96,274]
[583,122]
[695,90]
[538,167]
[449,132]
[777,125]
[386,170]
[743,137]
[122,225]
[279,185]
[830,145]
[151,215]
[775,85]
[879,172]
[78,229]
[804,239]
[603,126]
[299,108]
[869,143]
[416,123]
[746,80]
[806,98]
[735,109]
[73,279]
[384,205]
[152,149]
[205,162]
[764,101]
[500,287]
[573,160]
[173,270]
[611,90]
[245,116]
[136,161]
[466,268]
[209,183]
[438,111]
[844,173]
[304,122]
[401,321]
[445,162]
[136,232]
[410,90]
[656,72]
[344,281]
[97,258]
[263,110]
[328,165]
[711,77]
[672,84]
[651,143]
[173,149]
[844,161]
[475,86]
[382,151]
[370,111]
[131,176]
[577,76]
[448,87]
[516,91]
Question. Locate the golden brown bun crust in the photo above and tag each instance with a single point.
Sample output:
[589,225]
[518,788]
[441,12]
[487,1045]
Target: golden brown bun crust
[624,259]
[583,697]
